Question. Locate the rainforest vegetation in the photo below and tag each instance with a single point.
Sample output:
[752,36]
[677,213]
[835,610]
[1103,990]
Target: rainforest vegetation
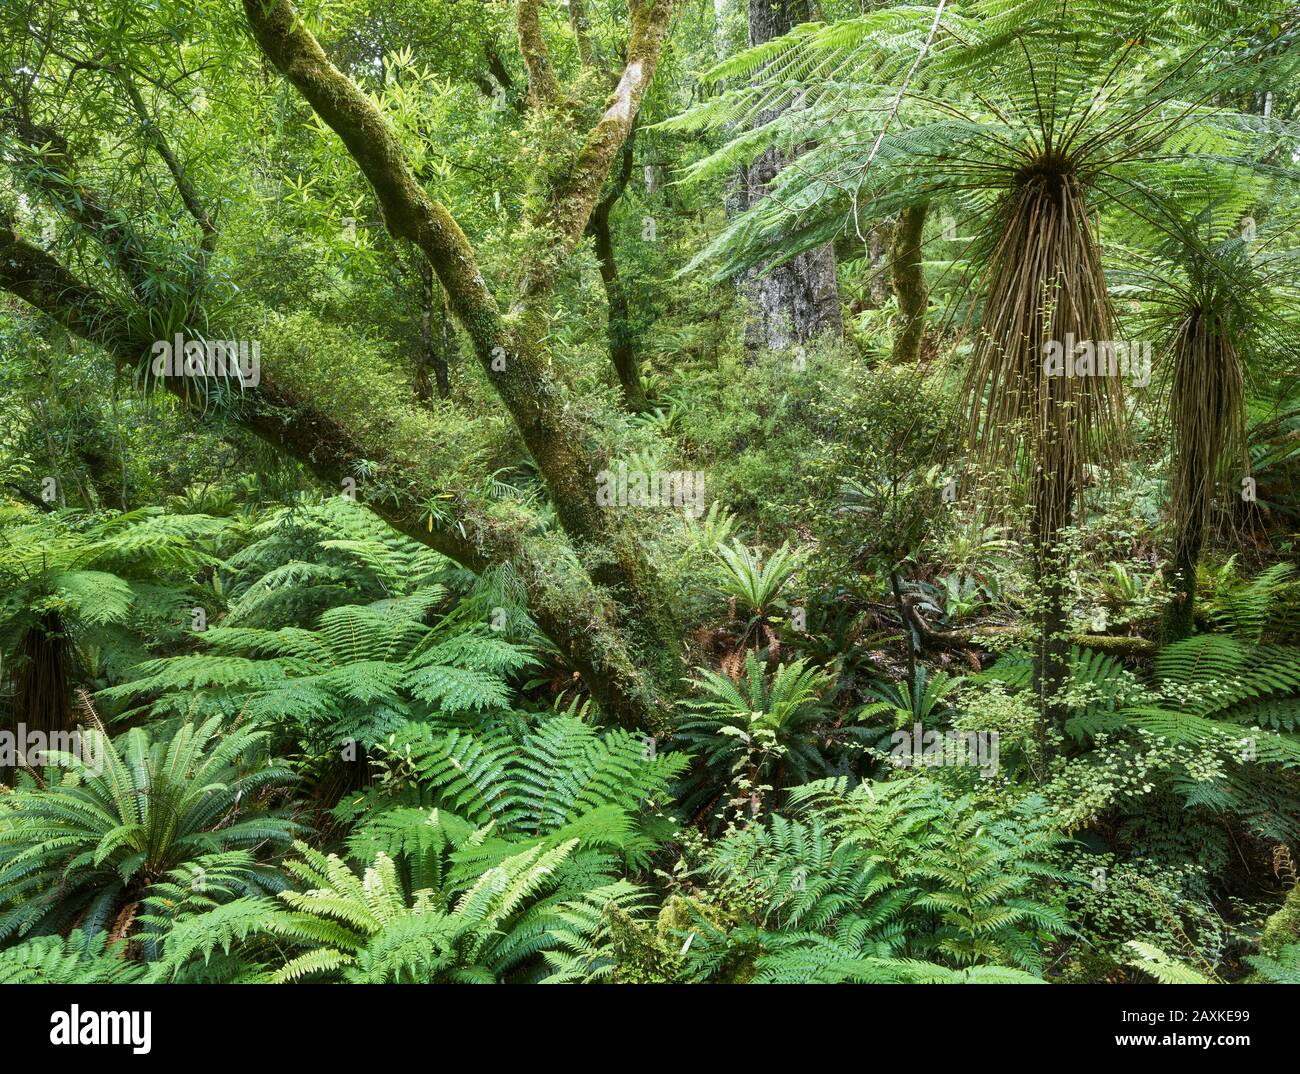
[729,491]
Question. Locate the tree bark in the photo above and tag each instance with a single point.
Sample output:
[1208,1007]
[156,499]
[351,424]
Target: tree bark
[909,284]
[433,355]
[1052,656]
[622,335]
[42,687]
[795,302]
[1180,619]
[595,594]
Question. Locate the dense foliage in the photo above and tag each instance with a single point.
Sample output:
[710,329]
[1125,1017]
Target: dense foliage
[649,491]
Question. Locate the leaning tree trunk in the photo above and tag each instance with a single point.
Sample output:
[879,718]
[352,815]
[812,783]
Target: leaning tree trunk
[799,300]
[566,441]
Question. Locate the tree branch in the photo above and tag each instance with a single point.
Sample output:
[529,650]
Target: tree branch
[1111,644]
[581,27]
[574,197]
[189,197]
[622,338]
[577,618]
[560,436]
[543,87]
[55,174]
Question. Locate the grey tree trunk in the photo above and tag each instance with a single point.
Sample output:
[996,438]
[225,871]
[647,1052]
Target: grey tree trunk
[799,300]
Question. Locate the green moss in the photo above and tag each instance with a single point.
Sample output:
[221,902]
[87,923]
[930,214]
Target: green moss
[1282,927]
[652,953]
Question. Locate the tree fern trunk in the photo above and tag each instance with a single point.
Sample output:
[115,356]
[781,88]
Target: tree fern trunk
[1180,619]
[1052,497]
[1207,409]
[43,696]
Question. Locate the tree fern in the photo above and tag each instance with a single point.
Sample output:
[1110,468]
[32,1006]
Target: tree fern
[71,584]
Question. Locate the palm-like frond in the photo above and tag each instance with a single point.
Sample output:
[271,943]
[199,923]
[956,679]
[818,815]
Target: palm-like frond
[126,813]
[758,714]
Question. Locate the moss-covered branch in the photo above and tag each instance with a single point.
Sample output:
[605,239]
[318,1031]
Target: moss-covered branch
[576,194]
[55,173]
[568,609]
[543,87]
[622,337]
[561,437]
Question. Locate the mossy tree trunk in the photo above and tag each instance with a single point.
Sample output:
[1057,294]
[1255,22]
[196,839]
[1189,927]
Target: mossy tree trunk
[623,336]
[435,346]
[908,275]
[617,629]
[582,622]
[560,438]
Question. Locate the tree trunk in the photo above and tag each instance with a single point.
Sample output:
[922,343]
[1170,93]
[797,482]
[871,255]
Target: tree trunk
[43,692]
[1180,618]
[799,300]
[623,337]
[877,290]
[1189,535]
[591,634]
[909,284]
[1052,494]
[433,356]
[1208,416]
[563,439]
